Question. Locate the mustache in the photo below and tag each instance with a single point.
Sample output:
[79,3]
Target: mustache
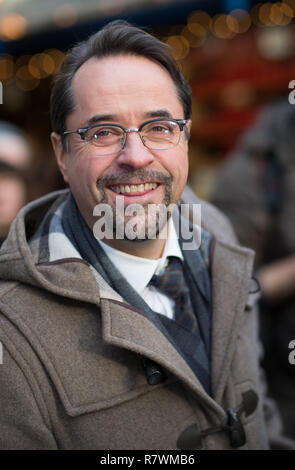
[141,175]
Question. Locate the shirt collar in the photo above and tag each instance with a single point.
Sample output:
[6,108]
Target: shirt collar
[139,271]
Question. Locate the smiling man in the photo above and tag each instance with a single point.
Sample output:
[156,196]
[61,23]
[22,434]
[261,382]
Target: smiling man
[127,342]
[144,166]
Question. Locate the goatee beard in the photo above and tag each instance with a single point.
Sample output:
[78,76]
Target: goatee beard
[141,176]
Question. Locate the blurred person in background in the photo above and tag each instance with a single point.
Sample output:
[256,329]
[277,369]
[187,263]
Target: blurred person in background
[13,196]
[15,164]
[256,190]
[14,147]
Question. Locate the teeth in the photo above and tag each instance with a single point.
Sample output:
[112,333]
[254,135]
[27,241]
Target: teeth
[133,188]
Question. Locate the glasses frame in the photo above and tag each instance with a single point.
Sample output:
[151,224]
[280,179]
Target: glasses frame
[82,131]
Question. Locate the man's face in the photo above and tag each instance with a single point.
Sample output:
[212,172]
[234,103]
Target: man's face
[126,90]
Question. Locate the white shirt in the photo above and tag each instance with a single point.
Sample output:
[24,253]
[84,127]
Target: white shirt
[139,271]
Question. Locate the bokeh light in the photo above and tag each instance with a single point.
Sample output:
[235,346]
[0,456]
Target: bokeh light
[197,20]
[264,14]
[6,67]
[13,26]
[255,14]
[57,56]
[22,60]
[65,15]
[111,7]
[232,24]
[24,79]
[290,4]
[197,38]
[242,18]
[288,10]
[41,65]
[179,46]
[220,27]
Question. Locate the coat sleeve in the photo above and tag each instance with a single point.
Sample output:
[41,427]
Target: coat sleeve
[22,421]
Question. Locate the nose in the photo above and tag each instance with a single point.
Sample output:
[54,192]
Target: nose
[135,154]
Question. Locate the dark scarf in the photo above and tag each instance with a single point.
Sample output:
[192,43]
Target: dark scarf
[195,350]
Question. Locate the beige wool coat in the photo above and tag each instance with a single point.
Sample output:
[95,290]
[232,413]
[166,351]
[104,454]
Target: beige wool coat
[71,374]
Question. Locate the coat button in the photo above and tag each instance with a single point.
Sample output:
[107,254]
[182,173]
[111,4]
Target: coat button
[153,371]
[190,438]
[236,430]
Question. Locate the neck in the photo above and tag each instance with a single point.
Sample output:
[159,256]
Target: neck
[151,249]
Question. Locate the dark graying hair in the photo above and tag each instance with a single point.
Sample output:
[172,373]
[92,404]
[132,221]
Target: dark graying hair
[116,38]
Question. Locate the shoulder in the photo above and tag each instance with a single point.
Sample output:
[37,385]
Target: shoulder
[212,219]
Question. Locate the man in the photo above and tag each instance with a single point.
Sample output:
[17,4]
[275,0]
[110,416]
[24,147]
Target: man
[98,352]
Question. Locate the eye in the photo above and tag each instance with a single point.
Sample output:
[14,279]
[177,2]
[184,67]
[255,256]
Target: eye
[103,134]
[161,129]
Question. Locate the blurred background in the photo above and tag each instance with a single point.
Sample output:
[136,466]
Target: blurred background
[236,54]
[239,57]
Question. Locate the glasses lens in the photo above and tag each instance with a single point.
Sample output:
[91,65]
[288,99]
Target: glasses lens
[106,139]
[160,135]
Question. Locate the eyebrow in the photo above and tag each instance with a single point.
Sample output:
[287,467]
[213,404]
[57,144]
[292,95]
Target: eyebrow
[159,113]
[113,117]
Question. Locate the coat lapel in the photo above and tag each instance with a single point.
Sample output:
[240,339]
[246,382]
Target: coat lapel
[231,279]
[127,327]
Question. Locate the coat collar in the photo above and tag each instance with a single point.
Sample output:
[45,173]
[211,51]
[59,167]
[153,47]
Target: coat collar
[231,280]
[126,327]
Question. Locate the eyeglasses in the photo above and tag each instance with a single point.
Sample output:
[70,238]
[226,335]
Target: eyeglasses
[155,134]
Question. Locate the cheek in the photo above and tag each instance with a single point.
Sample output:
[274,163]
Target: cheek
[180,173]
[78,178]
[85,171]
[180,167]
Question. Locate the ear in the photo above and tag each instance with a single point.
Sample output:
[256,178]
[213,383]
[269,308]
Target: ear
[188,127]
[60,154]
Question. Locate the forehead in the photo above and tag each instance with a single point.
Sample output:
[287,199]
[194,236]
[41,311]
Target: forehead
[124,83]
